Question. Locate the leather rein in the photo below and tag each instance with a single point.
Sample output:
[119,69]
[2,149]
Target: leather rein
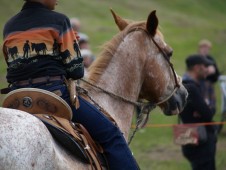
[146,107]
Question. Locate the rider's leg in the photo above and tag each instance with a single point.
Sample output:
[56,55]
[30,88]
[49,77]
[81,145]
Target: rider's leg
[100,128]
[107,134]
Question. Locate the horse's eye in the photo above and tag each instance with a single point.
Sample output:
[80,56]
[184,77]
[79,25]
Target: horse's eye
[170,53]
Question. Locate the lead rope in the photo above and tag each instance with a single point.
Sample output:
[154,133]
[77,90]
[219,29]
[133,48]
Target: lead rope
[145,107]
[139,104]
[100,108]
[83,91]
[139,118]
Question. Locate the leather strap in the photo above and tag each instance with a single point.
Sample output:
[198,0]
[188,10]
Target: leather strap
[5,90]
[90,145]
[71,85]
[80,134]
[38,80]
[89,138]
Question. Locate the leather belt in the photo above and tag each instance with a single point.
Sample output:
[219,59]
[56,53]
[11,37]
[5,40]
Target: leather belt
[46,79]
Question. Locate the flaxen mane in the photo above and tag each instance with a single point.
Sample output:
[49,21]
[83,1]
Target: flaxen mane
[101,63]
[109,49]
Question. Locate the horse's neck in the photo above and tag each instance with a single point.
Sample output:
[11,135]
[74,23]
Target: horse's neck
[122,77]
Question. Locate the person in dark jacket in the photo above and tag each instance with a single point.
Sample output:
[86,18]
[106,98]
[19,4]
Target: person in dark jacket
[52,54]
[201,156]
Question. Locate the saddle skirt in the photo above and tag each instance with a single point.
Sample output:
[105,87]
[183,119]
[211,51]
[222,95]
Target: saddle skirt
[56,114]
[37,101]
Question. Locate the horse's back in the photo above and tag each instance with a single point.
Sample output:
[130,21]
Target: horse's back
[25,143]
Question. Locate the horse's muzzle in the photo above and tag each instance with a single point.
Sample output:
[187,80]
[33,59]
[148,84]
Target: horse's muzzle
[176,103]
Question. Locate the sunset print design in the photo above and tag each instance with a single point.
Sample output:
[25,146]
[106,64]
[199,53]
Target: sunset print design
[41,41]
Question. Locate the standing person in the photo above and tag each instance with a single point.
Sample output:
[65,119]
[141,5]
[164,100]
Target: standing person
[83,38]
[26,49]
[87,58]
[76,26]
[207,85]
[38,23]
[201,156]
[85,45]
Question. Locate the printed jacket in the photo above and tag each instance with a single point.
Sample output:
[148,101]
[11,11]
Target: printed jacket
[39,42]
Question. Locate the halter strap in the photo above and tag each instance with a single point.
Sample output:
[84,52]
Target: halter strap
[177,85]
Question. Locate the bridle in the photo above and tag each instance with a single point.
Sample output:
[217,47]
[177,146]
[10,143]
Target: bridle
[146,107]
[166,57]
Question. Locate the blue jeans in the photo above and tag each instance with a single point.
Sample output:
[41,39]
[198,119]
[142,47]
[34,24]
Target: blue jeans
[102,130]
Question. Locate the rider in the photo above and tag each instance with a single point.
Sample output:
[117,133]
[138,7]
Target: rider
[41,26]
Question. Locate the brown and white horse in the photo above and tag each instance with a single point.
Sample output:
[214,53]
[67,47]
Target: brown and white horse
[134,64]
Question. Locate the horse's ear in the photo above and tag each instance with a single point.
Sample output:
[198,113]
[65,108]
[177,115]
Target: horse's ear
[152,23]
[121,23]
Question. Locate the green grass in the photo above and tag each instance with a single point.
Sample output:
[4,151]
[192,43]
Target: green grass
[183,24]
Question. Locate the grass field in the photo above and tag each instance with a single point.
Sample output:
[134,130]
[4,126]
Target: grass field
[183,24]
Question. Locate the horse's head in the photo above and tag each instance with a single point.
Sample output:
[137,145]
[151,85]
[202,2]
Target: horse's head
[160,83]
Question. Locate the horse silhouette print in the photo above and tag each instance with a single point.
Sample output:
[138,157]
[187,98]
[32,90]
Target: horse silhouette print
[39,47]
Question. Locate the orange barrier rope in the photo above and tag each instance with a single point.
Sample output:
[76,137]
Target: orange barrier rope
[171,125]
